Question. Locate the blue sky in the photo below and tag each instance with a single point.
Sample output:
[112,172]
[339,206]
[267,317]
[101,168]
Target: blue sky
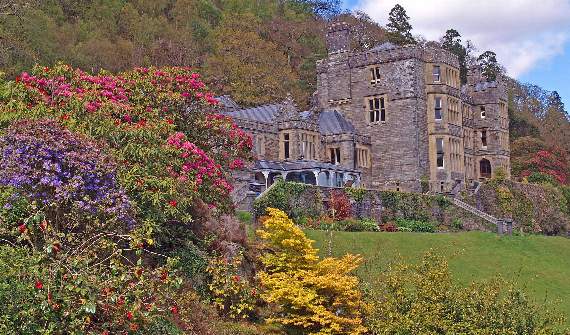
[531,39]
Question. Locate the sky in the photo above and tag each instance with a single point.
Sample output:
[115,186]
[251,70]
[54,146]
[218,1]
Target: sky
[531,38]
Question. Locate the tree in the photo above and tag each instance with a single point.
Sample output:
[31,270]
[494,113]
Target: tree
[313,296]
[247,67]
[422,299]
[556,124]
[365,33]
[399,27]
[523,150]
[490,67]
[14,7]
[451,41]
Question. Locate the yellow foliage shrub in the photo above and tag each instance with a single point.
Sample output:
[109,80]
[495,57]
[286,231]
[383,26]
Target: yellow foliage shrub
[314,296]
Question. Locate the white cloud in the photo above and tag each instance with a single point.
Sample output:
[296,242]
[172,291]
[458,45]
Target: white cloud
[523,33]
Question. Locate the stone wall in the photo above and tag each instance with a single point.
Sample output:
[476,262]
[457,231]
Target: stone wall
[300,200]
[533,208]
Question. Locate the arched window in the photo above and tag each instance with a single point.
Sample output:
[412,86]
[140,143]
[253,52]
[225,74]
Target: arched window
[485,168]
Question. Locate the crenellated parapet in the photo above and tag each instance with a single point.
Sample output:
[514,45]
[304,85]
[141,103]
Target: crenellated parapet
[424,54]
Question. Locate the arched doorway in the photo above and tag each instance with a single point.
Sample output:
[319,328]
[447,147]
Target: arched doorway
[485,168]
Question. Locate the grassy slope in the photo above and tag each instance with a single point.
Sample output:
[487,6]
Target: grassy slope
[541,264]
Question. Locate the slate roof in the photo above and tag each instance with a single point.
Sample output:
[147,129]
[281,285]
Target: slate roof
[332,123]
[227,102]
[483,85]
[264,113]
[297,165]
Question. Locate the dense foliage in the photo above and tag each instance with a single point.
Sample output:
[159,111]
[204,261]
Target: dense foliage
[159,124]
[415,226]
[63,173]
[313,296]
[101,179]
[421,299]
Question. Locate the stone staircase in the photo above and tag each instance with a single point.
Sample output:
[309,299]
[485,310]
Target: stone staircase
[476,212]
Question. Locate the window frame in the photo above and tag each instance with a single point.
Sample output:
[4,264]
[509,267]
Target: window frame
[334,155]
[362,157]
[438,74]
[438,109]
[376,109]
[374,75]
[308,146]
[440,153]
[286,145]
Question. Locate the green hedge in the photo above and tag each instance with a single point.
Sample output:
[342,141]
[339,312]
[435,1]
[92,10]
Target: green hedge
[415,226]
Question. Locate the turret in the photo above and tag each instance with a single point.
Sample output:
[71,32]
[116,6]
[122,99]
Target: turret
[338,38]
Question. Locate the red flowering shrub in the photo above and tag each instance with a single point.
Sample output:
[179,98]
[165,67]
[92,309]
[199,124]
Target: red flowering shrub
[89,289]
[159,123]
[554,163]
[340,205]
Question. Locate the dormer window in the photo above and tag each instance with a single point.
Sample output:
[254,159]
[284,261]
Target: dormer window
[483,112]
[436,73]
[376,109]
[374,75]
[438,109]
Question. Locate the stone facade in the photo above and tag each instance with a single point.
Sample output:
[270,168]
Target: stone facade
[390,118]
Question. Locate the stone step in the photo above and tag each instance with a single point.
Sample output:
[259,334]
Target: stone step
[475,211]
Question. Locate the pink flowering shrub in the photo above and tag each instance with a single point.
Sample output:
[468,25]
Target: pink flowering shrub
[160,124]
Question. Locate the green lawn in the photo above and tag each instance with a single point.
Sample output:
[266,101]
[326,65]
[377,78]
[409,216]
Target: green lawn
[541,264]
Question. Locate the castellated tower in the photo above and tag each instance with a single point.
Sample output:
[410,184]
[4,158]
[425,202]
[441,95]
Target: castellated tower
[491,124]
[426,130]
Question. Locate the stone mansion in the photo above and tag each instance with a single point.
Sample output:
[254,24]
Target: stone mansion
[389,118]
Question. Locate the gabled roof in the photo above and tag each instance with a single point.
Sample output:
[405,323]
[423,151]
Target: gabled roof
[333,122]
[330,122]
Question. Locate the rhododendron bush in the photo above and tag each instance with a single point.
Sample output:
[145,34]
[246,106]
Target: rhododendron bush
[159,124]
[94,169]
[63,173]
[554,163]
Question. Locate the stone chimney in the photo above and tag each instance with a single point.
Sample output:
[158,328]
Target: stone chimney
[338,38]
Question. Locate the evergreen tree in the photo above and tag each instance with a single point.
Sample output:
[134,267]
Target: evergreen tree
[452,42]
[399,27]
[490,67]
[556,125]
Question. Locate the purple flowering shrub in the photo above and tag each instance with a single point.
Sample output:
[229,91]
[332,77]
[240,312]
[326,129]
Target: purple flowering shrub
[66,176]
